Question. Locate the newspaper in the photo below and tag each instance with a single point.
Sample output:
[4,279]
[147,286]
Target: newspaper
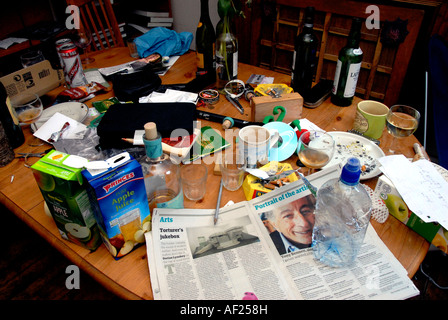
[237,259]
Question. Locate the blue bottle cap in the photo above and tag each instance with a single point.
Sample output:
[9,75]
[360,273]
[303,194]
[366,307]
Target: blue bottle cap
[351,172]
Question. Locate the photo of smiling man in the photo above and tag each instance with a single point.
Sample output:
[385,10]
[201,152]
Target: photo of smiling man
[292,225]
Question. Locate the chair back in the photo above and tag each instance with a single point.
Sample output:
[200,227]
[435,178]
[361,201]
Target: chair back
[99,18]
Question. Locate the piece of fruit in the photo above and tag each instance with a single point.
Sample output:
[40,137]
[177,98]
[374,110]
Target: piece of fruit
[44,181]
[146,226]
[110,247]
[127,247]
[397,207]
[139,236]
[80,232]
[46,210]
[117,241]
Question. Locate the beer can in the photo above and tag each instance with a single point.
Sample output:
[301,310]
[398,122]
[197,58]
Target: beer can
[58,44]
[74,73]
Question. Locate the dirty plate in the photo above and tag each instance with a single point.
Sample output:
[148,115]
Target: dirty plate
[75,110]
[352,145]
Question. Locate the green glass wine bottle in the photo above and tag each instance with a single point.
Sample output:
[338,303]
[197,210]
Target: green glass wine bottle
[348,68]
[304,59]
[205,42]
[226,53]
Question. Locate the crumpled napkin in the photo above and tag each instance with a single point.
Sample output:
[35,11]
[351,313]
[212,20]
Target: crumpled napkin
[164,41]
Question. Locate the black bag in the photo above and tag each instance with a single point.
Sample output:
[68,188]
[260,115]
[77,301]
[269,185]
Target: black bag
[132,86]
[121,121]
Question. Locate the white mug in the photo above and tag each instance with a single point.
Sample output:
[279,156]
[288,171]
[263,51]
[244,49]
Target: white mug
[254,144]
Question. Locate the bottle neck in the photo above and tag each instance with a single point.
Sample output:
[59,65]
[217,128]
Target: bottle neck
[153,148]
[204,11]
[307,28]
[355,35]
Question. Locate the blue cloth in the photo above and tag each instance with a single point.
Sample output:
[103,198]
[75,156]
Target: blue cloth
[164,41]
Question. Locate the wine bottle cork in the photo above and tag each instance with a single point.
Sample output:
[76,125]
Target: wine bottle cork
[150,131]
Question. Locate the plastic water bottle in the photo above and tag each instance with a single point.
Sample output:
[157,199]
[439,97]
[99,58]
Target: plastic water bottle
[342,214]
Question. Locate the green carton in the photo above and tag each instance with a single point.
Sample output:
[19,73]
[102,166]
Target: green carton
[65,193]
[431,231]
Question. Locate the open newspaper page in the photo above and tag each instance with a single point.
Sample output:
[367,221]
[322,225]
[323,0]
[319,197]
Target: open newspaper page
[258,250]
[288,217]
[193,259]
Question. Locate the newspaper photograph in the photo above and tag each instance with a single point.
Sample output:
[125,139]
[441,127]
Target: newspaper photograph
[261,250]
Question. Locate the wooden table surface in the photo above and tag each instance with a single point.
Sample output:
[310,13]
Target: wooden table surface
[129,277]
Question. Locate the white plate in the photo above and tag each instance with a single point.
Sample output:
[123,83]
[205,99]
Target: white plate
[76,110]
[353,145]
[443,172]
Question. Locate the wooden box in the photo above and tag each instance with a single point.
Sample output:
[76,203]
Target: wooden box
[264,106]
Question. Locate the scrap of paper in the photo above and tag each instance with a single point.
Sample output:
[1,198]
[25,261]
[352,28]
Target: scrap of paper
[420,185]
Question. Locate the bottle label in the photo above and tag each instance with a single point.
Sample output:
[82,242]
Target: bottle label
[336,76]
[235,64]
[293,65]
[358,51]
[352,79]
[200,60]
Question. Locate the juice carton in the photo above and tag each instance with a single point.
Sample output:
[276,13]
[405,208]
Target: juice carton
[118,195]
[64,191]
[431,231]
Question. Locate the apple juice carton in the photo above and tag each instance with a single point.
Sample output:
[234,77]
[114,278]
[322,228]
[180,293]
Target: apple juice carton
[119,198]
[432,232]
[64,191]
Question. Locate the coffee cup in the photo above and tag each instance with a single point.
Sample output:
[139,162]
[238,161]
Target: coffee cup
[254,144]
[370,118]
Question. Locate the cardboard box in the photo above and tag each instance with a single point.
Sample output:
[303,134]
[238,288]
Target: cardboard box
[38,79]
[64,191]
[118,195]
[252,189]
[433,232]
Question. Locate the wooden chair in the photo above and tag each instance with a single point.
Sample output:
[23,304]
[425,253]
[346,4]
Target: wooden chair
[383,68]
[98,16]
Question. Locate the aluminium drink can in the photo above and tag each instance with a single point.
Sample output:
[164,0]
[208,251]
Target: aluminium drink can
[74,73]
[58,44]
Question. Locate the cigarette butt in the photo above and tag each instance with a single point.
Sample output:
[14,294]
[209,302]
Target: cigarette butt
[419,153]
[269,186]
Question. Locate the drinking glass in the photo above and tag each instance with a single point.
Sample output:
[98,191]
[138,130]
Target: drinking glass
[31,57]
[28,113]
[194,180]
[83,39]
[232,170]
[401,122]
[315,149]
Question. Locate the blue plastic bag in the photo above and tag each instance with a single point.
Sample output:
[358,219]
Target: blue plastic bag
[164,41]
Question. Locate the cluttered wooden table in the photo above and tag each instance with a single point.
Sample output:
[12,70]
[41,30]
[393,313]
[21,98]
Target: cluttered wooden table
[129,277]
